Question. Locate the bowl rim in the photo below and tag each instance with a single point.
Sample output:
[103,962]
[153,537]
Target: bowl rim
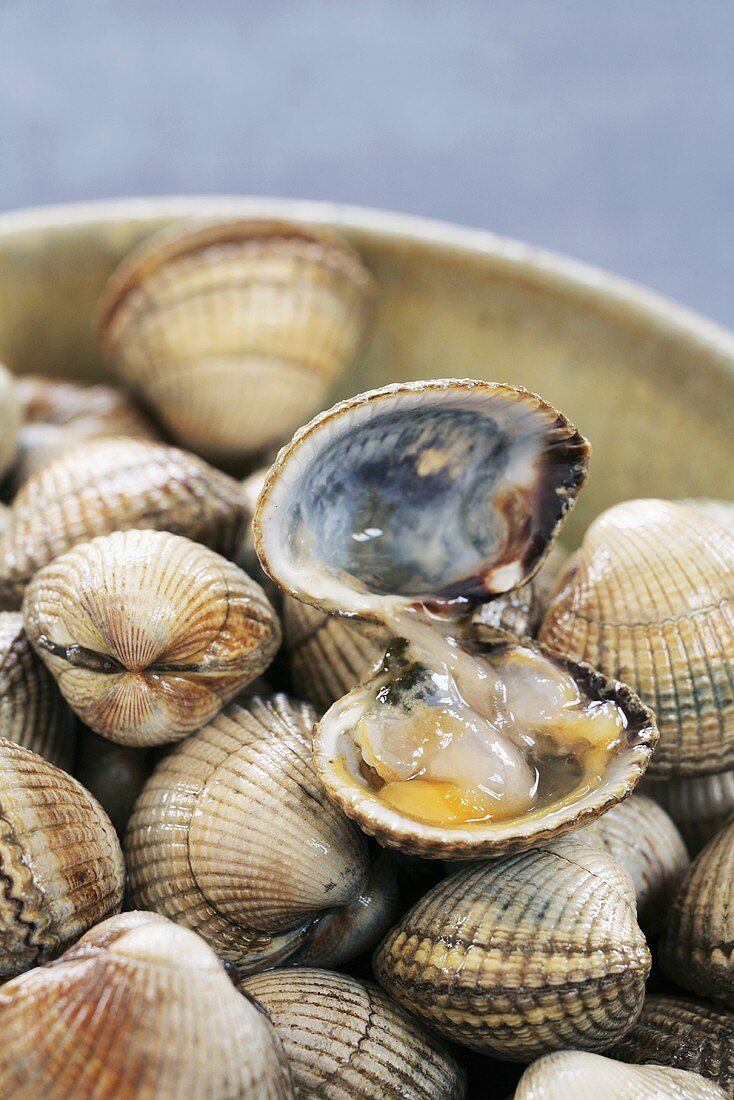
[594,286]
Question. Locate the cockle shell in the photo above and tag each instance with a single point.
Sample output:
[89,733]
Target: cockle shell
[697,949]
[33,712]
[10,418]
[58,414]
[341,935]
[234,837]
[235,332]
[114,774]
[138,1009]
[699,806]
[575,1075]
[346,1040]
[538,952]
[108,485]
[640,835]
[60,861]
[677,1032]
[649,599]
[148,634]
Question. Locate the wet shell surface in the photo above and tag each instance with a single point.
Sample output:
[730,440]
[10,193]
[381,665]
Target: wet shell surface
[441,490]
[677,1032]
[33,712]
[649,599]
[520,612]
[60,861]
[640,835]
[148,634]
[235,332]
[700,807]
[346,1040]
[234,837]
[10,418]
[114,774]
[575,1075]
[517,958]
[139,1009]
[697,950]
[58,414]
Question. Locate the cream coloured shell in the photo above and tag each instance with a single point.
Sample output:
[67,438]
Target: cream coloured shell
[114,774]
[61,862]
[720,510]
[649,599]
[575,1075]
[33,712]
[10,419]
[108,485]
[699,806]
[517,958]
[235,332]
[347,1041]
[696,950]
[148,634]
[234,837]
[139,1009]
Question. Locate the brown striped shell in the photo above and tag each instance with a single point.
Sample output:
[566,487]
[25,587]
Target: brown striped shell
[576,1075]
[10,418]
[108,485]
[640,835]
[697,949]
[517,958]
[699,806]
[33,712]
[234,837]
[674,1031]
[114,774]
[58,414]
[138,1009]
[60,861]
[346,1040]
[234,332]
[148,634]
[649,599]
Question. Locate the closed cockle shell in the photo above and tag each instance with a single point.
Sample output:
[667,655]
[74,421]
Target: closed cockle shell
[114,774]
[234,836]
[649,599]
[538,952]
[60,861]
[640,835]
[33,712]
[576,1075]
[10,418]
[138,1009]
[674,1031]
[234,332]
[347,1041]
[108,485]
[699,806]
[697,949]
[148,634]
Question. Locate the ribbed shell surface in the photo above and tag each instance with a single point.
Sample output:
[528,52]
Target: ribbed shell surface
[700,806]
[697,949]
[138,1010]
[578,1076]
[107,485]
[148,634]
[234,837]
[649,599]
[33,712]
[346,1040]
[677,1032]
[517,958]
[640,835]
[10,419]
[234,332]
[61,868]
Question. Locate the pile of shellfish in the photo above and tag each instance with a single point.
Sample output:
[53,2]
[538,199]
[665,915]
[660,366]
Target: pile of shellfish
[331,770]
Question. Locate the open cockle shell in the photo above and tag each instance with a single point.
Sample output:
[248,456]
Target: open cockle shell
[575,1075]
[148,634]
[60,861]
[234,332]
[234,836]
[138,1009]
[340,764]
[437,491]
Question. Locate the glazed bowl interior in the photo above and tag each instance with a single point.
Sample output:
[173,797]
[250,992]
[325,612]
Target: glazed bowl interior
[649,383]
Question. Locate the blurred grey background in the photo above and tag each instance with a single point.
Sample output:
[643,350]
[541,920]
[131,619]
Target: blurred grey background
[604,130]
